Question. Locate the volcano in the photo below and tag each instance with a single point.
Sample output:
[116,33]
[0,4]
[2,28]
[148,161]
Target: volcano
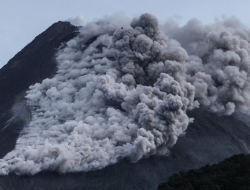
[209,139]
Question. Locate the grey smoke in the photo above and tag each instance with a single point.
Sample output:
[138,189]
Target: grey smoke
[122,91]
[218,64]
[108,101]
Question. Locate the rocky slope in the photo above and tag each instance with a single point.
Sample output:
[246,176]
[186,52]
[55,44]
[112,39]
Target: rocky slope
[32,64]
[210,139]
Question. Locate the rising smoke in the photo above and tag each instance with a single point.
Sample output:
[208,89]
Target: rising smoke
[122,92]
[218,64]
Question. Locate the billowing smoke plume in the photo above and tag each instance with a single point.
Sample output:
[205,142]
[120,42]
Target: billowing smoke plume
[119,92]
[218,64]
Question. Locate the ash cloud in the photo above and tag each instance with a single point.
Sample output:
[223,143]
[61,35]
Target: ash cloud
[218,64]
[122,91]
[79,21]
[108,101]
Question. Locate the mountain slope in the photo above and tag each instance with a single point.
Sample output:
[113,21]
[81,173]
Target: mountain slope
[32,64]
[208,140]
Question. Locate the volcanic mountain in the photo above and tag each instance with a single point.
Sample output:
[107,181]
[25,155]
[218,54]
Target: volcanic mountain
[210,138]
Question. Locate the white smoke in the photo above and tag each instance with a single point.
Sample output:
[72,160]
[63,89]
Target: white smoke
[79,21]
[119,92]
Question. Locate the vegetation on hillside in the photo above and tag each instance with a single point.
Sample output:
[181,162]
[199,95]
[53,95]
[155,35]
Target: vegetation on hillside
[231,174]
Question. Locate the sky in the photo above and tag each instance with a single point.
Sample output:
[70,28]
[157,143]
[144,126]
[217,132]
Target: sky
[21,21]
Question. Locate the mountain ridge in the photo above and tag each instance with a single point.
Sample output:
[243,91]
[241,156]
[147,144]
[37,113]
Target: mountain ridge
[32,64]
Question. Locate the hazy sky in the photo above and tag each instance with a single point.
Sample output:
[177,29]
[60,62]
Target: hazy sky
[23,20]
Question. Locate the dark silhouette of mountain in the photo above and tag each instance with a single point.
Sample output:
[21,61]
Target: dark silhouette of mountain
[210,139]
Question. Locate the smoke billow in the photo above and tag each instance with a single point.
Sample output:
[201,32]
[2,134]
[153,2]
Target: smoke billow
[122,92]
[119,92]
[218,64]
